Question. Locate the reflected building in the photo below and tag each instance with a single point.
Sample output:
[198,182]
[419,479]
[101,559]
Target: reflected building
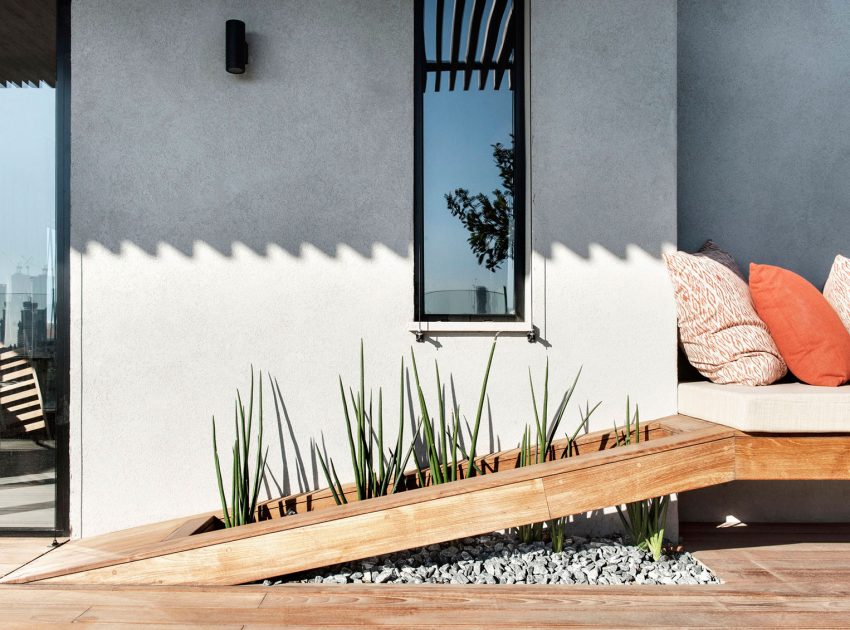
[25,313]
[38,289]
[32,329]
[20,288]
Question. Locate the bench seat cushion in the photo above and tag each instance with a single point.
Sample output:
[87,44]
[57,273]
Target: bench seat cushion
[781,408]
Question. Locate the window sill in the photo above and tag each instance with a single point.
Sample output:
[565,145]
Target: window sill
[469,327]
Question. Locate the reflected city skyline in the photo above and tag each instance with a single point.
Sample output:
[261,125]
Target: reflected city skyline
[28,373]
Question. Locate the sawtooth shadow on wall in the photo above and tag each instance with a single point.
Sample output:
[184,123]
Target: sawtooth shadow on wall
[314,144]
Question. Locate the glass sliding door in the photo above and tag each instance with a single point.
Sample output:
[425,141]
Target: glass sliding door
[33,424]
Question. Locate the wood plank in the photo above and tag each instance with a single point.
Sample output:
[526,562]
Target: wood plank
[800,596]
[198,525]
[111,547]
[130,626]
[786,457]
[682,424]
[42,613]
[337,540]
[35,595]
[763,577]
[657,474]
[778,560]
[16,552]
[709,615]
[533,596]
[495,462]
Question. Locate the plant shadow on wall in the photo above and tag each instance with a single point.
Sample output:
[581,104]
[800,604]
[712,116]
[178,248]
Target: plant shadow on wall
[438,451]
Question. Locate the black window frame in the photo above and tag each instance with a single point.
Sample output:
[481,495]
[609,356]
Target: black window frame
[520,169]
[63,266]
[62,496]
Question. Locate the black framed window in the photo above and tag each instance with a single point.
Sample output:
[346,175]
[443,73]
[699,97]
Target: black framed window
[470,160]
[34,257]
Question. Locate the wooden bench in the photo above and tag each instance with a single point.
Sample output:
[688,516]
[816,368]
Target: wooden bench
[784,431]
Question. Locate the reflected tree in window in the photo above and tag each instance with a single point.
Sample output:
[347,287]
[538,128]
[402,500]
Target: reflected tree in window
[489,220]
[469,139]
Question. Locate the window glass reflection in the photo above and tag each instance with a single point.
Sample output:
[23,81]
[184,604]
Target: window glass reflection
[469,220]
[27,305]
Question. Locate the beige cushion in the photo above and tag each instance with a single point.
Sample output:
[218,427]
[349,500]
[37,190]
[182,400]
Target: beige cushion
[837,289]
[720,331]
[782,408]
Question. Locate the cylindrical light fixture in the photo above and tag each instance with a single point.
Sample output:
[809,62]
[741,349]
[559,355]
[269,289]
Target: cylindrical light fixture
[237,47]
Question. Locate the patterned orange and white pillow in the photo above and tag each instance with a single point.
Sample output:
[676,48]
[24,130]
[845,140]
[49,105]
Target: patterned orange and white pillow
[721,333]
[837,289]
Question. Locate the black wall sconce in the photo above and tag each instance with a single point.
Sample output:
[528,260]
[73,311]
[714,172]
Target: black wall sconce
[237,47]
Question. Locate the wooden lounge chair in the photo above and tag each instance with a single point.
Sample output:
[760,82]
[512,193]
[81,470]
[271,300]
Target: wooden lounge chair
[20,394]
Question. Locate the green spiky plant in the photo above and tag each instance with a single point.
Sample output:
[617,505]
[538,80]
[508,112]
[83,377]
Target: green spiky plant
[643,520]
[526,457]
[558,526]
[245,487]
[538,449]
[442,439]
[376,472]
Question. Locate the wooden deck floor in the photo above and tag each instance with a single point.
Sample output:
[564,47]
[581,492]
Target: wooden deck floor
[774,576]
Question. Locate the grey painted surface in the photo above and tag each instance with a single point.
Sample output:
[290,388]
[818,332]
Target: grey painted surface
[769,502]
[220,221]
[312,145]
[605,134]
[764,130]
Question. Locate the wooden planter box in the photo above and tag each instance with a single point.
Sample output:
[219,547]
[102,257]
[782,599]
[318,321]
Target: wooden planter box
[675,454]
[323,499]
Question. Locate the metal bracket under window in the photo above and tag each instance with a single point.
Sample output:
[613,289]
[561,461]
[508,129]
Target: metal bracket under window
[530,335]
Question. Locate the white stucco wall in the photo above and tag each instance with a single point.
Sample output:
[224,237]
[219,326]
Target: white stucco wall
[222,221]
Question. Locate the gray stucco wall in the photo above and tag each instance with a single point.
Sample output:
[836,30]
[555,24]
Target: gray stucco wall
[764,169]
[220,221]
[764,130]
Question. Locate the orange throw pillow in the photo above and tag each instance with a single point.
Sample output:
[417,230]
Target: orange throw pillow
[808,333]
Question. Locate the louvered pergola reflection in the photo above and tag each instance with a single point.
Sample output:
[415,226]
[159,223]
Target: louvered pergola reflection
[27,42]
[489,44]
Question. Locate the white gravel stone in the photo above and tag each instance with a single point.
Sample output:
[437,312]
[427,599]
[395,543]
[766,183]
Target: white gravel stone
[501,559]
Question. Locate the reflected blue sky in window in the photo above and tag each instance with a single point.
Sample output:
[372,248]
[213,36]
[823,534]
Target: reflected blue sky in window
[27,197]
[459,129]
